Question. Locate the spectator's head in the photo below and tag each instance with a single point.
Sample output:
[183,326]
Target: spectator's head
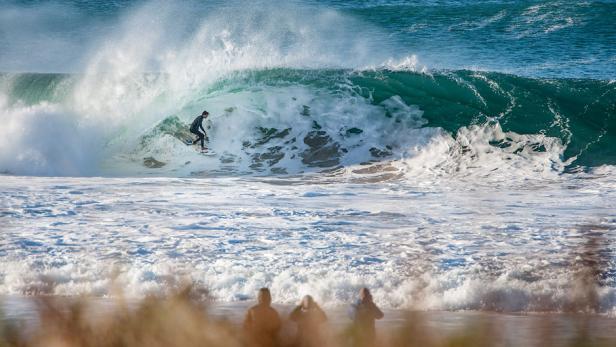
[264,297]
[364,295]
[307,302]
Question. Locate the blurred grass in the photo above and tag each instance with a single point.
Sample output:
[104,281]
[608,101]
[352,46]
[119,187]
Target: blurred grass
[181,320]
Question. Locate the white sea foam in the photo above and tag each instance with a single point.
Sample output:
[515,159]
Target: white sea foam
[477,25]
[408,63]
[545,19]
[442,246]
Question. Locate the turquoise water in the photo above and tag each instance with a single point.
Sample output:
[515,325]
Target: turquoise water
[530,38]
[581,113]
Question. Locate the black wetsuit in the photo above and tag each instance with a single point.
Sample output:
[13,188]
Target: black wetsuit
[194,128]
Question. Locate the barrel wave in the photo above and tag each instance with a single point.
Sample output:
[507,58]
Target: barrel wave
[287,121]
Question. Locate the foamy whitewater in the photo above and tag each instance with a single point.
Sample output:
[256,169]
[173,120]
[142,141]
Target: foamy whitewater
[357,144]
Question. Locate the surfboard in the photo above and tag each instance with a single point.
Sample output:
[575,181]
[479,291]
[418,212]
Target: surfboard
[208,153]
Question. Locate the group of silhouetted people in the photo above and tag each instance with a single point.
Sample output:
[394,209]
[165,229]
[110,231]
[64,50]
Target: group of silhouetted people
[262,323]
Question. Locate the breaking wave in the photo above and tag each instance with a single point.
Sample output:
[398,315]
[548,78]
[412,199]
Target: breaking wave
[292,89]
[288,121]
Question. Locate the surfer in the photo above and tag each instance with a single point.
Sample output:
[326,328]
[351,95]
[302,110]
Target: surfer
[198,124]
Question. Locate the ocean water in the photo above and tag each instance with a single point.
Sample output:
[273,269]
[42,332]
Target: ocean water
[450,155]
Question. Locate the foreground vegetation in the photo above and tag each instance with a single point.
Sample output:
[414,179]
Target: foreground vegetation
[180,320]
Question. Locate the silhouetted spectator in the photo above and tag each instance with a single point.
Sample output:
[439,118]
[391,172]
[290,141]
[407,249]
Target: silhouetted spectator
[363,313]
[262,322]
[308,316]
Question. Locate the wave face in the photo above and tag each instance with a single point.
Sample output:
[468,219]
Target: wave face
[276,121]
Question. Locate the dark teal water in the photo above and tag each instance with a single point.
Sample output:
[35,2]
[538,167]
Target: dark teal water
[531,38]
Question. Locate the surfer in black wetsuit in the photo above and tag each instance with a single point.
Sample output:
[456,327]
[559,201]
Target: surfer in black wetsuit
[198,124]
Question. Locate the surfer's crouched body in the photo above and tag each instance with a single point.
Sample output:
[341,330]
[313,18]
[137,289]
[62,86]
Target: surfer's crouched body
[198,124]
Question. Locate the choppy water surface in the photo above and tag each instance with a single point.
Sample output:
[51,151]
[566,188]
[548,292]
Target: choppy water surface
[437,247]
